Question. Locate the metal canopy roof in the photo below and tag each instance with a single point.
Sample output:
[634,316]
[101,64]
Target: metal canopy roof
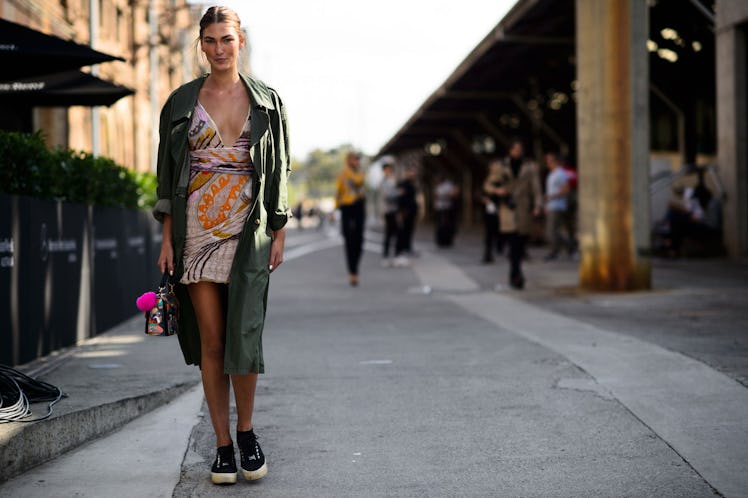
[500,89]
[520,79]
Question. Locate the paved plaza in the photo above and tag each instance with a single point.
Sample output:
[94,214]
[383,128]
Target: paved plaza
[435,380]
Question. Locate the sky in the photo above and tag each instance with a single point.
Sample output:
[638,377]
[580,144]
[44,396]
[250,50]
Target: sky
[355,71]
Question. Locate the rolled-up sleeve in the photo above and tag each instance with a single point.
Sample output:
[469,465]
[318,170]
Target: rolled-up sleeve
[162,208]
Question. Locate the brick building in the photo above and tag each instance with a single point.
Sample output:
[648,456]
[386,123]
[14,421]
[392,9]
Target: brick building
[157,40]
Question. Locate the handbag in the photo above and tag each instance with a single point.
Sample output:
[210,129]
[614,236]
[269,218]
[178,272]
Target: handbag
[163,317]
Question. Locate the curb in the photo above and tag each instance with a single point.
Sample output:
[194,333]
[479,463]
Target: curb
[35,443]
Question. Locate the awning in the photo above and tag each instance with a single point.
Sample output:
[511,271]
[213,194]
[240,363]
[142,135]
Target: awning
[520,81]
[27,52]
[517,82]
[62,89]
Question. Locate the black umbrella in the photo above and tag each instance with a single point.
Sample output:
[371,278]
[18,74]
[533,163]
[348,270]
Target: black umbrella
[27,52]
[62,90]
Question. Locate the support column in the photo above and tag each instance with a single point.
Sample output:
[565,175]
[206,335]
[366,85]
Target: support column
[465,181]
[613,140]
[732,124]
[475,164]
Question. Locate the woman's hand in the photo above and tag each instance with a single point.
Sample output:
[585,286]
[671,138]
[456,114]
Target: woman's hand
[276,249]
[166,258]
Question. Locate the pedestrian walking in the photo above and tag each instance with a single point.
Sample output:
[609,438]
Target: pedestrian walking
[407,212]
[445,207]
[387,195]
[350,198]
[520,198]
[223,163]
[556,206]
[298,213]
[526,191]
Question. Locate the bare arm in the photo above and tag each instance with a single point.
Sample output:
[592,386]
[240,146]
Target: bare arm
[166,258]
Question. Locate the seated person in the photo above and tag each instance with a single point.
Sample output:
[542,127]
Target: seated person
[693,212]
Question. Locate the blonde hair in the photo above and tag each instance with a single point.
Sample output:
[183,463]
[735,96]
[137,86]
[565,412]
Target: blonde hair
[495,169]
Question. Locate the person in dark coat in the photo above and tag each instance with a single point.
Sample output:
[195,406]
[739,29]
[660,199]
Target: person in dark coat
[350,198]
[407,213]
[223,164]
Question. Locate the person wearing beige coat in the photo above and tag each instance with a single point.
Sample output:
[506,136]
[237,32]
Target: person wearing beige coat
[513,184]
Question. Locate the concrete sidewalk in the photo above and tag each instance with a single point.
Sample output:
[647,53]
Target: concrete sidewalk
[433,381]
[421,383]
[109,380]
[697,307]
[649,350]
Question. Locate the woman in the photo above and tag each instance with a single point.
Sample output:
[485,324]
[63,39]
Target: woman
[223,163]
[350,199]
[525,190]
[515,185]
[407,214]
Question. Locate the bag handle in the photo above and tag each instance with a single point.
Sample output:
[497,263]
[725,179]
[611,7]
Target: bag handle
[165,279]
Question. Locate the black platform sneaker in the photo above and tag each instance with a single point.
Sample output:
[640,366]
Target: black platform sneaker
[223,470]
[252,459]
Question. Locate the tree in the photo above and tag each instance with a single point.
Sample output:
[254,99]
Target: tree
[314,177]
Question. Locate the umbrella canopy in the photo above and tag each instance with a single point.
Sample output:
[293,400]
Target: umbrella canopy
[27,52]
[62,89]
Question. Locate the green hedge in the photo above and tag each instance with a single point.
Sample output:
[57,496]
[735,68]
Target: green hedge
[29,167]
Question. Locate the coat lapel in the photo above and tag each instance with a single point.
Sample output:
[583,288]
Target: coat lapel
[184,101]
[260,99]
[182,107]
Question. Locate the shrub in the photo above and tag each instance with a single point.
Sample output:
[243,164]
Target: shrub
[23,158]
[28,167]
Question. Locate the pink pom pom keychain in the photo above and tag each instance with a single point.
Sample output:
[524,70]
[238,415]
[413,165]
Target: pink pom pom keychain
[147,301]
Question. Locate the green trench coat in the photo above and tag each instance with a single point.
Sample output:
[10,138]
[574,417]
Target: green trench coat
[249,276]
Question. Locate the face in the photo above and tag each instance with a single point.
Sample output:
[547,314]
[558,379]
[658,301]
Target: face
[550,161]
[221,43]
[516,150]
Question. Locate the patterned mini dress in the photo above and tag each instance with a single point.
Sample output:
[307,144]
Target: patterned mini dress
[219,199]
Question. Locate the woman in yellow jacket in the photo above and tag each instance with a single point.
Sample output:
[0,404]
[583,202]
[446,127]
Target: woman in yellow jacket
[350,199]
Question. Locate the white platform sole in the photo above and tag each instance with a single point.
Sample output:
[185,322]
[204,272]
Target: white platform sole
[256,474]
[223,477]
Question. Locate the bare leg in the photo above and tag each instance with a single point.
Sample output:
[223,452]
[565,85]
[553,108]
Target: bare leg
[207,300]
[244,393]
